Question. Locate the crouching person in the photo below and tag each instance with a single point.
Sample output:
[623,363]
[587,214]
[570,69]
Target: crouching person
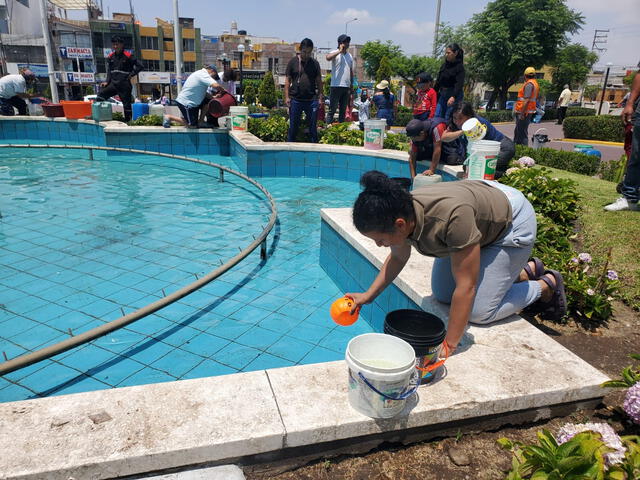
[192,95]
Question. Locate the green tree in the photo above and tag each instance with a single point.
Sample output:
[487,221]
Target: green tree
[511,35]
[571,66]
[384,71]
[372,53]
[591,91]
[326,86]
[628,80]
[250,94]
[267,91]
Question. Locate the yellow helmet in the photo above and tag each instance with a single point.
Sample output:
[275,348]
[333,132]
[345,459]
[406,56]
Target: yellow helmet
[529,71]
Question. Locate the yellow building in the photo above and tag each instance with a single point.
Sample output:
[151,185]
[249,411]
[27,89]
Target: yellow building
[157,49]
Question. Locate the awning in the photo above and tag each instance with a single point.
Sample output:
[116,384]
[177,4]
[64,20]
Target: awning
[73,4]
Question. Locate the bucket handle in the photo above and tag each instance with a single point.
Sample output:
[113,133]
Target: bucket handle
[403,396]
[438,364]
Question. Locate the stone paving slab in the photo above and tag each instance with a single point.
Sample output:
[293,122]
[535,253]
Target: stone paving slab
[125,431]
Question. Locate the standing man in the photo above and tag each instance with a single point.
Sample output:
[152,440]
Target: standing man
[563,104]
[631,181]
[121,68]
[303,91]
[341,78]
[525,107]
[13,91]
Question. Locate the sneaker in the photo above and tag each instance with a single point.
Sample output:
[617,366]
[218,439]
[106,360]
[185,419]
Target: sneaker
[621,204]
[166,123]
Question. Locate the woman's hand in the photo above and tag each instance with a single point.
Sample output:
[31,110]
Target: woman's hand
[428,173]
[359,299]
[451,101]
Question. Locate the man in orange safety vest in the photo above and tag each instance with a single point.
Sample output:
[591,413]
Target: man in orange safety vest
[525,107]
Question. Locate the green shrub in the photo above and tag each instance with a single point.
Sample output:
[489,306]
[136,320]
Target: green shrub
[564,160]
[613,170]
[550,114]
[279,112]
[147,120]
[118,116]
[608,128]
[557,205]
[396,141]
[403,117]
[267,95]
[580,112]
[340,134]
[498,115]
[271,129]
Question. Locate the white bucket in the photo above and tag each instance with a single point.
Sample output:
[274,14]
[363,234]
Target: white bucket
[239,116]
[483,157]
[224,122]
[423,180]
[374,133]
[156,109]
[380,370]
[474,129]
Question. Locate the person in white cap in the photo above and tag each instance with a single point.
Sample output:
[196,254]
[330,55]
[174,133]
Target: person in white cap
[13,91]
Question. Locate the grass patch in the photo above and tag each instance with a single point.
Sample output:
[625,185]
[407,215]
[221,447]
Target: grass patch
[600,230]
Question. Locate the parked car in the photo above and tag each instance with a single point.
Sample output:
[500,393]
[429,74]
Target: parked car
[509,105]
[92,98]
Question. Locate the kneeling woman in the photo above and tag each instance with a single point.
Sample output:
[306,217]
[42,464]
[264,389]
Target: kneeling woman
[481,234]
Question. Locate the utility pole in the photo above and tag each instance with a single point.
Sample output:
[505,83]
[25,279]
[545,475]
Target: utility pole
[44,19]
[599,38]
[435,29]
[177,46]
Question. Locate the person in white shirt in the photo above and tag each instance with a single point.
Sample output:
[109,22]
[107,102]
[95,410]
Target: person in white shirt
[363,105]
[341,78]
[191,96]
[13,90]
[563,104]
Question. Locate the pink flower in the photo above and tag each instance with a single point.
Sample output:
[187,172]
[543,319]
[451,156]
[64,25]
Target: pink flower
[609,437]
[631,403]
[612,275]
[585,258]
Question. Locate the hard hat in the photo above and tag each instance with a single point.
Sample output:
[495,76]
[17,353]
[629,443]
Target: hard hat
[529,71]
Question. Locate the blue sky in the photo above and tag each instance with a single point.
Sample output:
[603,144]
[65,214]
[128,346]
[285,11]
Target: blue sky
[412,27]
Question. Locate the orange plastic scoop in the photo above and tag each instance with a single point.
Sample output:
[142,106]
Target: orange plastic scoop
[341,311]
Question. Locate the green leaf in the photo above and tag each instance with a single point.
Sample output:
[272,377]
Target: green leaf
[505,443]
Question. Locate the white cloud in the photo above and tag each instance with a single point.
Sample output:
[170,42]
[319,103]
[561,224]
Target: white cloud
[363,16]
[411,27]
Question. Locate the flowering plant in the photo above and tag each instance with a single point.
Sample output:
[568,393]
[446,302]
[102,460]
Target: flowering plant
[590,290]
[526,162]
[630,378]
[631,405]
[609,437]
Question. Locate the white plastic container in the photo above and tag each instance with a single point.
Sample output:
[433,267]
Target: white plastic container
[239,117]
[156,109]
[424,180]
[374,133]
[483,158]
[380,371]
[35,109]
[474,129]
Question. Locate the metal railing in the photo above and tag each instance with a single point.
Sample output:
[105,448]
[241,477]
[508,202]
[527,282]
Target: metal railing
[76,340]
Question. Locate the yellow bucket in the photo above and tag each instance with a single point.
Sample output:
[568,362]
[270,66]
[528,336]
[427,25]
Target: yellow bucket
[474,129]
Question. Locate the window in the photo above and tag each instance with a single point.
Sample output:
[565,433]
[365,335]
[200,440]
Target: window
[149,43]
[169,65]
[151,65]
[189,67]
[188,44]
[75,39]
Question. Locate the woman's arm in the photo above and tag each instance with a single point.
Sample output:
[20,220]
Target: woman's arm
[449,136]
[465,267]
[392,266]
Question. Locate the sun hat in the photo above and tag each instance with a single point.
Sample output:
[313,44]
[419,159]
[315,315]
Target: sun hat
[382,85]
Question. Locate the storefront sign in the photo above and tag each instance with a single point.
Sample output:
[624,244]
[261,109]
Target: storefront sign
[76,52]
[80,77]
[154,77]
[39,69]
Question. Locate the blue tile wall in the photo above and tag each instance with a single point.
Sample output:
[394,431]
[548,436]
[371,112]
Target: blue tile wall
[177,143]
[50,131]
[352,272]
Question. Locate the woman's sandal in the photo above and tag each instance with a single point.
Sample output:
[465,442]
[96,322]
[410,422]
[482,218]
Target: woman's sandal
[556,308]
[538,269]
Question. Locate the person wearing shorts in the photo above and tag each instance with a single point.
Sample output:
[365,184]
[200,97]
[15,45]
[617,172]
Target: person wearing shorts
[192,95]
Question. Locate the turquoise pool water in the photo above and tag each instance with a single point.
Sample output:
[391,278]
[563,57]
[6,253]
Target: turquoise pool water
[82,241]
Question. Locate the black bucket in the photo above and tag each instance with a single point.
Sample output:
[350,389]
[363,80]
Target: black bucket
[424,331]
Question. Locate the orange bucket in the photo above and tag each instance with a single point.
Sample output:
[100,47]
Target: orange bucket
[74,109]
[341,311]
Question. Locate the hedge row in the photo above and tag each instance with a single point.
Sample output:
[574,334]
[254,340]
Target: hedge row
[570,161]
[603,127]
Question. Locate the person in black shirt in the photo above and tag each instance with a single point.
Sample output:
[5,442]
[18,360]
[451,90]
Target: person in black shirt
[303,91]
[121,68]
[450,81]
